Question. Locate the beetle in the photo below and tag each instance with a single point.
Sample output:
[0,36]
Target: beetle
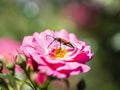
[62,41]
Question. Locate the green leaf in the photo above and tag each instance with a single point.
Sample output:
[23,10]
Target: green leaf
[10,77]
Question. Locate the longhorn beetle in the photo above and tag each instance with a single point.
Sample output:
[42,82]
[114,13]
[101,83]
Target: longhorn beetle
[62,41]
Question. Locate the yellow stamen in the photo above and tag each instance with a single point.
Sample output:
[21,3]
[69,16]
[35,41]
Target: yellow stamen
[59,53]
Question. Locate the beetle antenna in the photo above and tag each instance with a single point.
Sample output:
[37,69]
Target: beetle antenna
[49,36]
[51,43]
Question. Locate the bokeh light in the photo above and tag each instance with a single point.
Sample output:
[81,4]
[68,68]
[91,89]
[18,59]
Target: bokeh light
[115,42]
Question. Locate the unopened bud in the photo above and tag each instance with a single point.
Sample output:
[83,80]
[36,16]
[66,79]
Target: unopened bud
[21,61]
[31,65]
[40,78]
[10,66]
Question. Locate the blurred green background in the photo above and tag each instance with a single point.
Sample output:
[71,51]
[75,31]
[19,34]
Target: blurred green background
[97,22]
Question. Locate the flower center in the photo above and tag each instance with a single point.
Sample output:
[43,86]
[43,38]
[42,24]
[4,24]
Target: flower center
[58,53]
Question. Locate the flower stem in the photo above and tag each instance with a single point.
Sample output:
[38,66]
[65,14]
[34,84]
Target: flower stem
[33,85]
[45,88]
[4,84]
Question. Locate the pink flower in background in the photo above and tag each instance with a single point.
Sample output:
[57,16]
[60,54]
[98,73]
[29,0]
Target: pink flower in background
[84,15]
[8,52]
[54,58]
[8,49]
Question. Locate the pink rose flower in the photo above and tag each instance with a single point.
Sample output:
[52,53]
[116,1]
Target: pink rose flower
[8,52]
[84,15]
[54,58]
[9,49]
